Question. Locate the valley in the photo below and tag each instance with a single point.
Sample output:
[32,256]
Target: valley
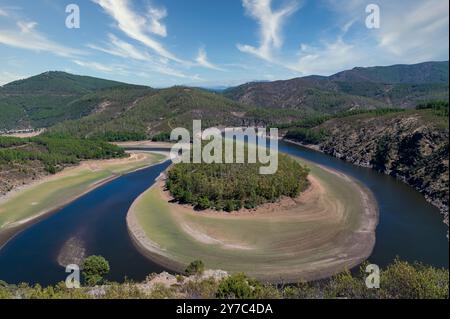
[69,186]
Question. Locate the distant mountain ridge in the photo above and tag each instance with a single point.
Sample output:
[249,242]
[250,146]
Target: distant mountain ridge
[421,73]
[88,106]
[392,86]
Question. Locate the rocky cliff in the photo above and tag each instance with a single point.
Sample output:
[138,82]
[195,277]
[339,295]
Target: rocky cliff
[411,146]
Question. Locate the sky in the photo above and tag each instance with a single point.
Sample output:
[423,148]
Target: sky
[214,43]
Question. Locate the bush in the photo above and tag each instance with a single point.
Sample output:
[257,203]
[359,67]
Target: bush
[196,267]
[94,269]
[440,108]
[161,137]
[238,286]
[402,280]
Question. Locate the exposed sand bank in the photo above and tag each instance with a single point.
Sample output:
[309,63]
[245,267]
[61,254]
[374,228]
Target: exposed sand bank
[310,237]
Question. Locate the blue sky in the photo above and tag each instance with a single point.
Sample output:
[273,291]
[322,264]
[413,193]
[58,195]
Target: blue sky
[216,42]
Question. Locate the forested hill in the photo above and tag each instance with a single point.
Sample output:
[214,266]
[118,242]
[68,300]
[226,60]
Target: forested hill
[90,107]
[52,97]
[155,114]
[392,86]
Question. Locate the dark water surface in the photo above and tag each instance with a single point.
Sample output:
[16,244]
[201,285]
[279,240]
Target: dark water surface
[409,227]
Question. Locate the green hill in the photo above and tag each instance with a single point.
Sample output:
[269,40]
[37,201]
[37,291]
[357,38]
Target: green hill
[158,111]
[51,97]
[87,106]
[402,86]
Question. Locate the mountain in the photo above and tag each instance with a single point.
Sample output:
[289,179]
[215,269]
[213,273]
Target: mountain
[87,106]
[421,73]
[361,88]
[156,112]
[52,97]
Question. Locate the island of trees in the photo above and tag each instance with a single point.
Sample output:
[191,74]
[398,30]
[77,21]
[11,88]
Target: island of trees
[230,187]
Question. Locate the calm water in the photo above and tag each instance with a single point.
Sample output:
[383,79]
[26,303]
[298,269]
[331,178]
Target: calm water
[409,227]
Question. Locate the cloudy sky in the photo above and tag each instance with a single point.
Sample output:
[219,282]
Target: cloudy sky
[216,42]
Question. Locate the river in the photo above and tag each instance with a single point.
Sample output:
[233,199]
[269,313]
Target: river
[409,227]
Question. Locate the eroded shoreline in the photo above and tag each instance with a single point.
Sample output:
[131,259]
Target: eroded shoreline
[9,230]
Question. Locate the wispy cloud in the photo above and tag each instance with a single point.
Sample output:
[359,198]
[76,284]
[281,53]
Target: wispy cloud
[94,66]
[270,23]
[25,36]
[411,31]
[3,13]
[136,26]
[329,58]
[7,77]
[146,64]
[202,60]
[415,32]
[156,26]
[120,48]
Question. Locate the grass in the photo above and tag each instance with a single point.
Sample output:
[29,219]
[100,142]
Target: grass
[304,242]
[62,188]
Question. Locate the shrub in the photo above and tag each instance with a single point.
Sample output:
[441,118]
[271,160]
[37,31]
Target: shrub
[238,286]
[94,269]
[196,267]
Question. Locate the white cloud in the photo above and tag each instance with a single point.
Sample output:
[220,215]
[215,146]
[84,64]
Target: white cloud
[7,77]
[329,58]
[134,25]
[3,13]
[270,22]
[411,31]
[94,66]
[156,27]
[202,60]
[415,32]
[146,62]
[27,37]
[120,48]
[26,27]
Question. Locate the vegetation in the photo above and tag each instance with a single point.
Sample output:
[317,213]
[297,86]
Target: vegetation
[197,267]
[306,131]
[306,136]
[95,268]
[152,114]
[161,137]
[400,86]
[400,280]
[230,187]
[54,153]
[439,108]
[52,97]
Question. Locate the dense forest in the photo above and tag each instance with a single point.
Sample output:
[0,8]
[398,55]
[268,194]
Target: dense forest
[54,153]
[230,187]
[23,160]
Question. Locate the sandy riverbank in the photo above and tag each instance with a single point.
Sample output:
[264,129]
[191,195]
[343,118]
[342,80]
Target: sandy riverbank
[329,228]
